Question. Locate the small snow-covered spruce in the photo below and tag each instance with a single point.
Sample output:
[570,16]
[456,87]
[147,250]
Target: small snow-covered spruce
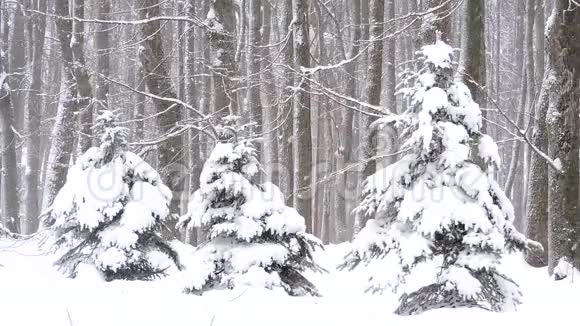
[110,210]
[254,238]
[439,205]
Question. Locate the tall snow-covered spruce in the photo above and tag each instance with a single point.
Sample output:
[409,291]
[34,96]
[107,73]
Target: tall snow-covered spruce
[110,210]
[255,240]
[439,208]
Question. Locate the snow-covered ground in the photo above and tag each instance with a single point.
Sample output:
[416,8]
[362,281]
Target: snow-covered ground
[33,293]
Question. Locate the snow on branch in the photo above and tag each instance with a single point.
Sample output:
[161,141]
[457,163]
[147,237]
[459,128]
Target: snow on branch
[555,164]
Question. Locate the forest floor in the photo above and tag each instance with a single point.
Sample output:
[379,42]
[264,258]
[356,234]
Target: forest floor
[34,293]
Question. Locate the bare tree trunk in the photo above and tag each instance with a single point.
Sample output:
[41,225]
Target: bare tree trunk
[10,200]
[270,110]
[302,146]
[345,185]
[473,54]
[253,96]
[35,108]
[321,146]
[539,41]
[17,62]
[286,132]
[77,98]
[374,74]
[531,13]
[563,125]
[102,45]
[537,198]
[82,78]
[191,96]
[390,71]
[329,231]
[498,54]
[171,154]
[222,31]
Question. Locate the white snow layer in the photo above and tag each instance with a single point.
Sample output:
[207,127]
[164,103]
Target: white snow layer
[34,293]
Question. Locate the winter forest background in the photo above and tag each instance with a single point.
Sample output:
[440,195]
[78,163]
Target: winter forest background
[298,94]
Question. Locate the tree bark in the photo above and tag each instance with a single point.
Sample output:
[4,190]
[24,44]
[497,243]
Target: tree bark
[563,124]
[254,64]
[539,41]
[270,110]
[102,46]
[171,154]
[537,198]
[286,131]
[84,90]
[10,200]
[191,96]
[77,98]
[35,108]
[473,53]
[221,32]
[17,61]
[390,71]
[373,91]
[302,146]
[344,181]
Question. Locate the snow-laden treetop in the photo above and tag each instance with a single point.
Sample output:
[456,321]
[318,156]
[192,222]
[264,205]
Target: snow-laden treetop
[439,204]
[109,210]
[254,238]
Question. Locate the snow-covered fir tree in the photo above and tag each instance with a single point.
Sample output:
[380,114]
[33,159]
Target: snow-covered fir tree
[254,238]
[110,210]
[439,205]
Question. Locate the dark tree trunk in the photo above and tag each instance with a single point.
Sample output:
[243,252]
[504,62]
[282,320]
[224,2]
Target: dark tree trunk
[302,145]
[222,31]
[286,132]
[10,200]
[171,154]
[77,98]
[35,108]
[473,54]
[102,45]
[373,91]
[253,96]
[563,124]
[191,96]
